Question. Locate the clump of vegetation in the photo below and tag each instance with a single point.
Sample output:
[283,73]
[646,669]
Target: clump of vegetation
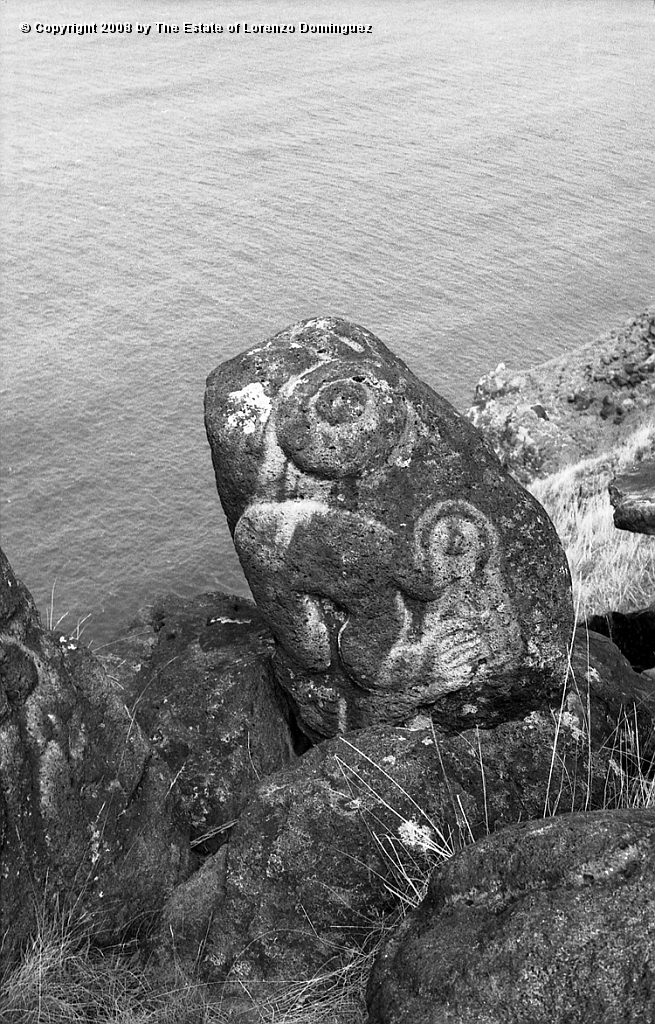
[62,979]
[612,570]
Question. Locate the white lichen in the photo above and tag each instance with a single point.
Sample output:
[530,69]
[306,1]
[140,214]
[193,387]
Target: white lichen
[251,407]
[225,620]
[416,837]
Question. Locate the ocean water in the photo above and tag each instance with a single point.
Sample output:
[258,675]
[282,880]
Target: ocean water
[473,181]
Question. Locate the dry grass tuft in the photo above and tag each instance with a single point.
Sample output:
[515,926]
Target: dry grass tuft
[612,570]
[61,979]
[53,624]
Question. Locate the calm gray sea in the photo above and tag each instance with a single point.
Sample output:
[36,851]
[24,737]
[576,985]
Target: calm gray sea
[473,181]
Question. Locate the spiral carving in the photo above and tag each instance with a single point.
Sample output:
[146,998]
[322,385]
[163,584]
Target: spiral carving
[340,421]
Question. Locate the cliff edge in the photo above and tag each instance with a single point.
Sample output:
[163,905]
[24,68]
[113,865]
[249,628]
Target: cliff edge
[571,407]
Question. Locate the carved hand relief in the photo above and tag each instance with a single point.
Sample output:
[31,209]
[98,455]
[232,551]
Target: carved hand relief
[373,525]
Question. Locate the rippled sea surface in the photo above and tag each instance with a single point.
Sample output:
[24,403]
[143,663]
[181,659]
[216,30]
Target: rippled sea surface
[473,181]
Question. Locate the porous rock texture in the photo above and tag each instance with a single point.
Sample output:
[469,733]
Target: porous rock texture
[399,567]
[633,496]
[547,922]
[196,675]
[86,811]
[570,407]
[317,855]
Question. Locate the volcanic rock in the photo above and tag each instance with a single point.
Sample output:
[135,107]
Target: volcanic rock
[593,397]
[399,567]
[632,632]
[206,700]
[86,811]
[547,922]
[324,846]
[633,496]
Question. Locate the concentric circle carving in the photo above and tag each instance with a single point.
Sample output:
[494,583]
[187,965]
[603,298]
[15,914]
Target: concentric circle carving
[337,423]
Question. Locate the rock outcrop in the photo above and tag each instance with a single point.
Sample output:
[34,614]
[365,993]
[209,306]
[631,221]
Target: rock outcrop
[205,698]
[570,407]
[547,922]
[319,852]
[400,568]
[632,632]
[86,811]
[633,496]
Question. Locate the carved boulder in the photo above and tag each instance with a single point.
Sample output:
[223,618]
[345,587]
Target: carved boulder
[88,819]
[400,568]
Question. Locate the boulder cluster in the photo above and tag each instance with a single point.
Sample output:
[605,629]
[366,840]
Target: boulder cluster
[572,406]
[86,810]
[249,788]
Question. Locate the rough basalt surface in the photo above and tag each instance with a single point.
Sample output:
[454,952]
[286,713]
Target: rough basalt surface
[86,810]
[204,697]
[633,496]
[572,407]
[548,922]
[316,856]
[400,568]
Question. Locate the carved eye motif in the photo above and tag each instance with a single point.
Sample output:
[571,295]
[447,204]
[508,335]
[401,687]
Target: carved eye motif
[341,425]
